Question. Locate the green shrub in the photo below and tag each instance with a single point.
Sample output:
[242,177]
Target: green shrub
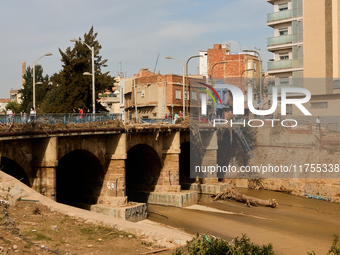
[335,248]
[209,245]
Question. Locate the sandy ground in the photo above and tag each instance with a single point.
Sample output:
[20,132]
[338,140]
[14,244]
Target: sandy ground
[43,226]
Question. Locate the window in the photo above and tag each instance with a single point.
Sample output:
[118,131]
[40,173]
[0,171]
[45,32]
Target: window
[284,81]
[142,93]
[255,66]
[178,94]
[284,56]
[283,31]
[336,84]
[318,105]
[186,95]
[283,7]
[194,95]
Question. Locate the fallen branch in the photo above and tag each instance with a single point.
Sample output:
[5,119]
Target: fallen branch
[161,250]
[235,194]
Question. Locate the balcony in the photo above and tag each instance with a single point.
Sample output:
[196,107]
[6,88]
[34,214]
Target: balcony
[282,39]
[279,15]
[282,64]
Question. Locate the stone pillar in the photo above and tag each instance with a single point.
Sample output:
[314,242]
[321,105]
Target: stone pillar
[169,177]
[44,164]
[210,143]
[113,190]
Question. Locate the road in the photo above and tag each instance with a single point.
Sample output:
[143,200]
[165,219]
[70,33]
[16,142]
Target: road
[297,226]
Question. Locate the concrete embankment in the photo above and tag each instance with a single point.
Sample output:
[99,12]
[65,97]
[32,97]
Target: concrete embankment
[150,231]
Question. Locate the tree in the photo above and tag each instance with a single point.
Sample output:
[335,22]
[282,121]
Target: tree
[71,89]
[40,90]
[14,106]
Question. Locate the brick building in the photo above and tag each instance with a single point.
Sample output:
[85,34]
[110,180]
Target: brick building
[155,94]
[237,63]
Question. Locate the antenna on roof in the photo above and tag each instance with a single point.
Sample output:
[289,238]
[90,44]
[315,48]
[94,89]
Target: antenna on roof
[154,70]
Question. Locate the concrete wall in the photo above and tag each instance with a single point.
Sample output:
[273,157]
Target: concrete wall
[296,149]
[314,40]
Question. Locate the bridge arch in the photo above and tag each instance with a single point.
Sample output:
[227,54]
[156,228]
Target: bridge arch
[68,145]
[15,163]
[79,178]
[150,139]
[143,167]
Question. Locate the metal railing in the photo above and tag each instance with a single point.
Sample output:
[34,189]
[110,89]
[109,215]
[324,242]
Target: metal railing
[54,118]
[151,119]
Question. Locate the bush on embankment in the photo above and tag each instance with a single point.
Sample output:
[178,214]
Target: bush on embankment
[209,245]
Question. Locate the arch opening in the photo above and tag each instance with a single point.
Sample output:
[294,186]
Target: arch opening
[12,168]
[79,178]
[143,167]
[184,164]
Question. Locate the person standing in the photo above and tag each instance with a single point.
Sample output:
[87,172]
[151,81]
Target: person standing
[318,123]
[33,115]
[175,117]
[9,115]
[80,112]
[22,117]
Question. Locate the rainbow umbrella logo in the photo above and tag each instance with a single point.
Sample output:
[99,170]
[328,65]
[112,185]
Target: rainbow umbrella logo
[209,93]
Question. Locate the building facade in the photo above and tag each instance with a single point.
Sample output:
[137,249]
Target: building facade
[287,42]
[153,95]
[306,45]
[237,64]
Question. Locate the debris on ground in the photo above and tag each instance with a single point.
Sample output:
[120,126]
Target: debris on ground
[235,194]
[19,127]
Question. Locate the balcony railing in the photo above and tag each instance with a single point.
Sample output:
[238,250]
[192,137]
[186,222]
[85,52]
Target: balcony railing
[282,39]
[282,64]
[279,15]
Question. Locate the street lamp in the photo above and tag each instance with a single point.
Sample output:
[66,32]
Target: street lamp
[246,70]
[34,63]
[183,82]
[87,73]
[255,51]
[186,75]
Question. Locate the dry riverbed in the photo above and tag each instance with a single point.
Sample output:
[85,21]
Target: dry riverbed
[32,228]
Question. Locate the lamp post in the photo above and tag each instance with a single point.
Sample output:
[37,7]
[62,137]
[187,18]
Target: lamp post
[135,96]
[34,63]
[183,82]
[186,75]
[246,70]
[212,69]
[86,73]
[255,51]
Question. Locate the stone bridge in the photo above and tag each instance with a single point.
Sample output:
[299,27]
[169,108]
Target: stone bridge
[100,166]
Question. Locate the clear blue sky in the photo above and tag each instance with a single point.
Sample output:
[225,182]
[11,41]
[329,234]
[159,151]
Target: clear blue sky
[132,32]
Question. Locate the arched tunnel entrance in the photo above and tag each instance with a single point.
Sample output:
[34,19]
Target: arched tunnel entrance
[12,168]
[143,167]
[189,157]
[184,164]
[80,178]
